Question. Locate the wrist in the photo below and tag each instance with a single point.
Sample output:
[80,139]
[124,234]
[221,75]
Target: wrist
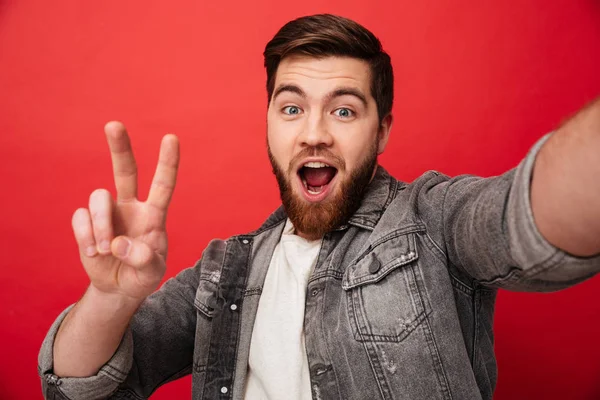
[110,305]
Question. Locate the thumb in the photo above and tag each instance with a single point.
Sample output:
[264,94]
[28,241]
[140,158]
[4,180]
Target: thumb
[133,252]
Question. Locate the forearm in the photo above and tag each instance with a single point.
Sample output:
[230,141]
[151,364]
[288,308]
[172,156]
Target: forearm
[91,333]
[565,188]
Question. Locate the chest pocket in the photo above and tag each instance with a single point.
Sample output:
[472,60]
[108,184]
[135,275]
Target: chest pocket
[386,297]
[206,300]
[206,303]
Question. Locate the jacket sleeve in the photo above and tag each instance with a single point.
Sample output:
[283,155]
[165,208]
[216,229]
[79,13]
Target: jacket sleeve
[486,228]
[156,348]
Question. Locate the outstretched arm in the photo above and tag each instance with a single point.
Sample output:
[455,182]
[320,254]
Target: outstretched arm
[565,187]
[533,228]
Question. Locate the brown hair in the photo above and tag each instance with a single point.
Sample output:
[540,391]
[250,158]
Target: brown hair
[326,35]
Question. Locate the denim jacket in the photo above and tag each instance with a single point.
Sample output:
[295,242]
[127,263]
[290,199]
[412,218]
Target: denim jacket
[399,306]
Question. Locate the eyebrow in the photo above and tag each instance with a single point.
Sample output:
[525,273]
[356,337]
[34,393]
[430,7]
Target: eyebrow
[289,88]
[347,91]
[343,91]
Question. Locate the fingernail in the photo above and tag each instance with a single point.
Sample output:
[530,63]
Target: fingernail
[90,251]
[122,247]
[105,246]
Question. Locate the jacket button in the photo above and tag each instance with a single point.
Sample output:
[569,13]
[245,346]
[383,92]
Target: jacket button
[212,302]
[374,266]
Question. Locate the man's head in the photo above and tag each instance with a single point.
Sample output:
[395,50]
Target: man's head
[330,88]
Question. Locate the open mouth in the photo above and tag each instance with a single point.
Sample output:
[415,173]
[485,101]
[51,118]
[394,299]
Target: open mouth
[316,178]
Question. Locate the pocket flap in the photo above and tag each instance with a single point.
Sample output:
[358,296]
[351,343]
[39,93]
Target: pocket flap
[206,300]
[380,260]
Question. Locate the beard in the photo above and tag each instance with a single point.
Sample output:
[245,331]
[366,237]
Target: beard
[314,220]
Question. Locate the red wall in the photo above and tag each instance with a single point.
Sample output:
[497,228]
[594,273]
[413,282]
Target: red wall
[477,83]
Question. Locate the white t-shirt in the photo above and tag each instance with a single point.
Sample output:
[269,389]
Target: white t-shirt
[277,366]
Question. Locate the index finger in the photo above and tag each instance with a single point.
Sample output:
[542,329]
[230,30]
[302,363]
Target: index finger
[163,183]
[123,161]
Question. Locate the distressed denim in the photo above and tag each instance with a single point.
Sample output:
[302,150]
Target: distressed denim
[400,304]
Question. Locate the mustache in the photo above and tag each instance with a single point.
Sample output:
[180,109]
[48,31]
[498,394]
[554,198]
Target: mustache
[321,152]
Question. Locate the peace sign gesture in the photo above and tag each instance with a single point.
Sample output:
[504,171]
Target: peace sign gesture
[123,242]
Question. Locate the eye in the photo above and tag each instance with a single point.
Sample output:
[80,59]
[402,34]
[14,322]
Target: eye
[291,110]
[344,112]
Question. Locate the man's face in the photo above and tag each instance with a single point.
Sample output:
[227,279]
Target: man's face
[323,136]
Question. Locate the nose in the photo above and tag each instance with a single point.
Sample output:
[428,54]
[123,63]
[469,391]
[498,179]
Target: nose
[315,133]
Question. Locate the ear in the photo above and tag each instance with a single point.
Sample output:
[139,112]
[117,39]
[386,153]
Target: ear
[384,133]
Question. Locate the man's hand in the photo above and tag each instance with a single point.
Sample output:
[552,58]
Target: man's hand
[123,247]
[123,243]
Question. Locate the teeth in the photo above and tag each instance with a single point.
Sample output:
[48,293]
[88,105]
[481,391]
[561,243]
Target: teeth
[316,164]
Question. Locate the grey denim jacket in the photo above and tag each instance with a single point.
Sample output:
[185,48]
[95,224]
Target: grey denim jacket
[399,306]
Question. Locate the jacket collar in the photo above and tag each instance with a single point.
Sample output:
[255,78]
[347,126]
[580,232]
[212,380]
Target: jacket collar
[380,192]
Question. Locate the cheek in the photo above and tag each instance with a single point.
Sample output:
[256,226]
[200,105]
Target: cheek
[354,144]
[281,145]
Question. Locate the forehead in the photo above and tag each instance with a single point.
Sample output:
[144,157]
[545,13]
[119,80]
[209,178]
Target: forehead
[320,75]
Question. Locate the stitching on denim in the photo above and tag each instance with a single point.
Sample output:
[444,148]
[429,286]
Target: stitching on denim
[208,338]
[392,193]
[505,237]
[199,303]
[360,221]
[119,371]
[501,278]
[331,364]
[323,252]
[551,263]
[383,272]
[406,230]
[475,328]
[443,224]
[252,291]
[212,277]
[198,368]
[239,325]
[436,246]
[443,379]
[420,288]
[410,229]
[371,356]
[110,374]
[390,266]
[326,274]
[433,247]
[414,324]
[365,334]
[457,283]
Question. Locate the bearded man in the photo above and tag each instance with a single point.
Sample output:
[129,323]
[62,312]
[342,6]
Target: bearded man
[359,287]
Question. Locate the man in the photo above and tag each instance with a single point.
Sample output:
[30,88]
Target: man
[359,287]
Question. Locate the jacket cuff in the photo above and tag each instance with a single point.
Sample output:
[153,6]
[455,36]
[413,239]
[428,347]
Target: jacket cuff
[99,386]
[529,249]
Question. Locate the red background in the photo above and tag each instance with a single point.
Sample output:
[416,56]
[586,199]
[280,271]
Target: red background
[477,82]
